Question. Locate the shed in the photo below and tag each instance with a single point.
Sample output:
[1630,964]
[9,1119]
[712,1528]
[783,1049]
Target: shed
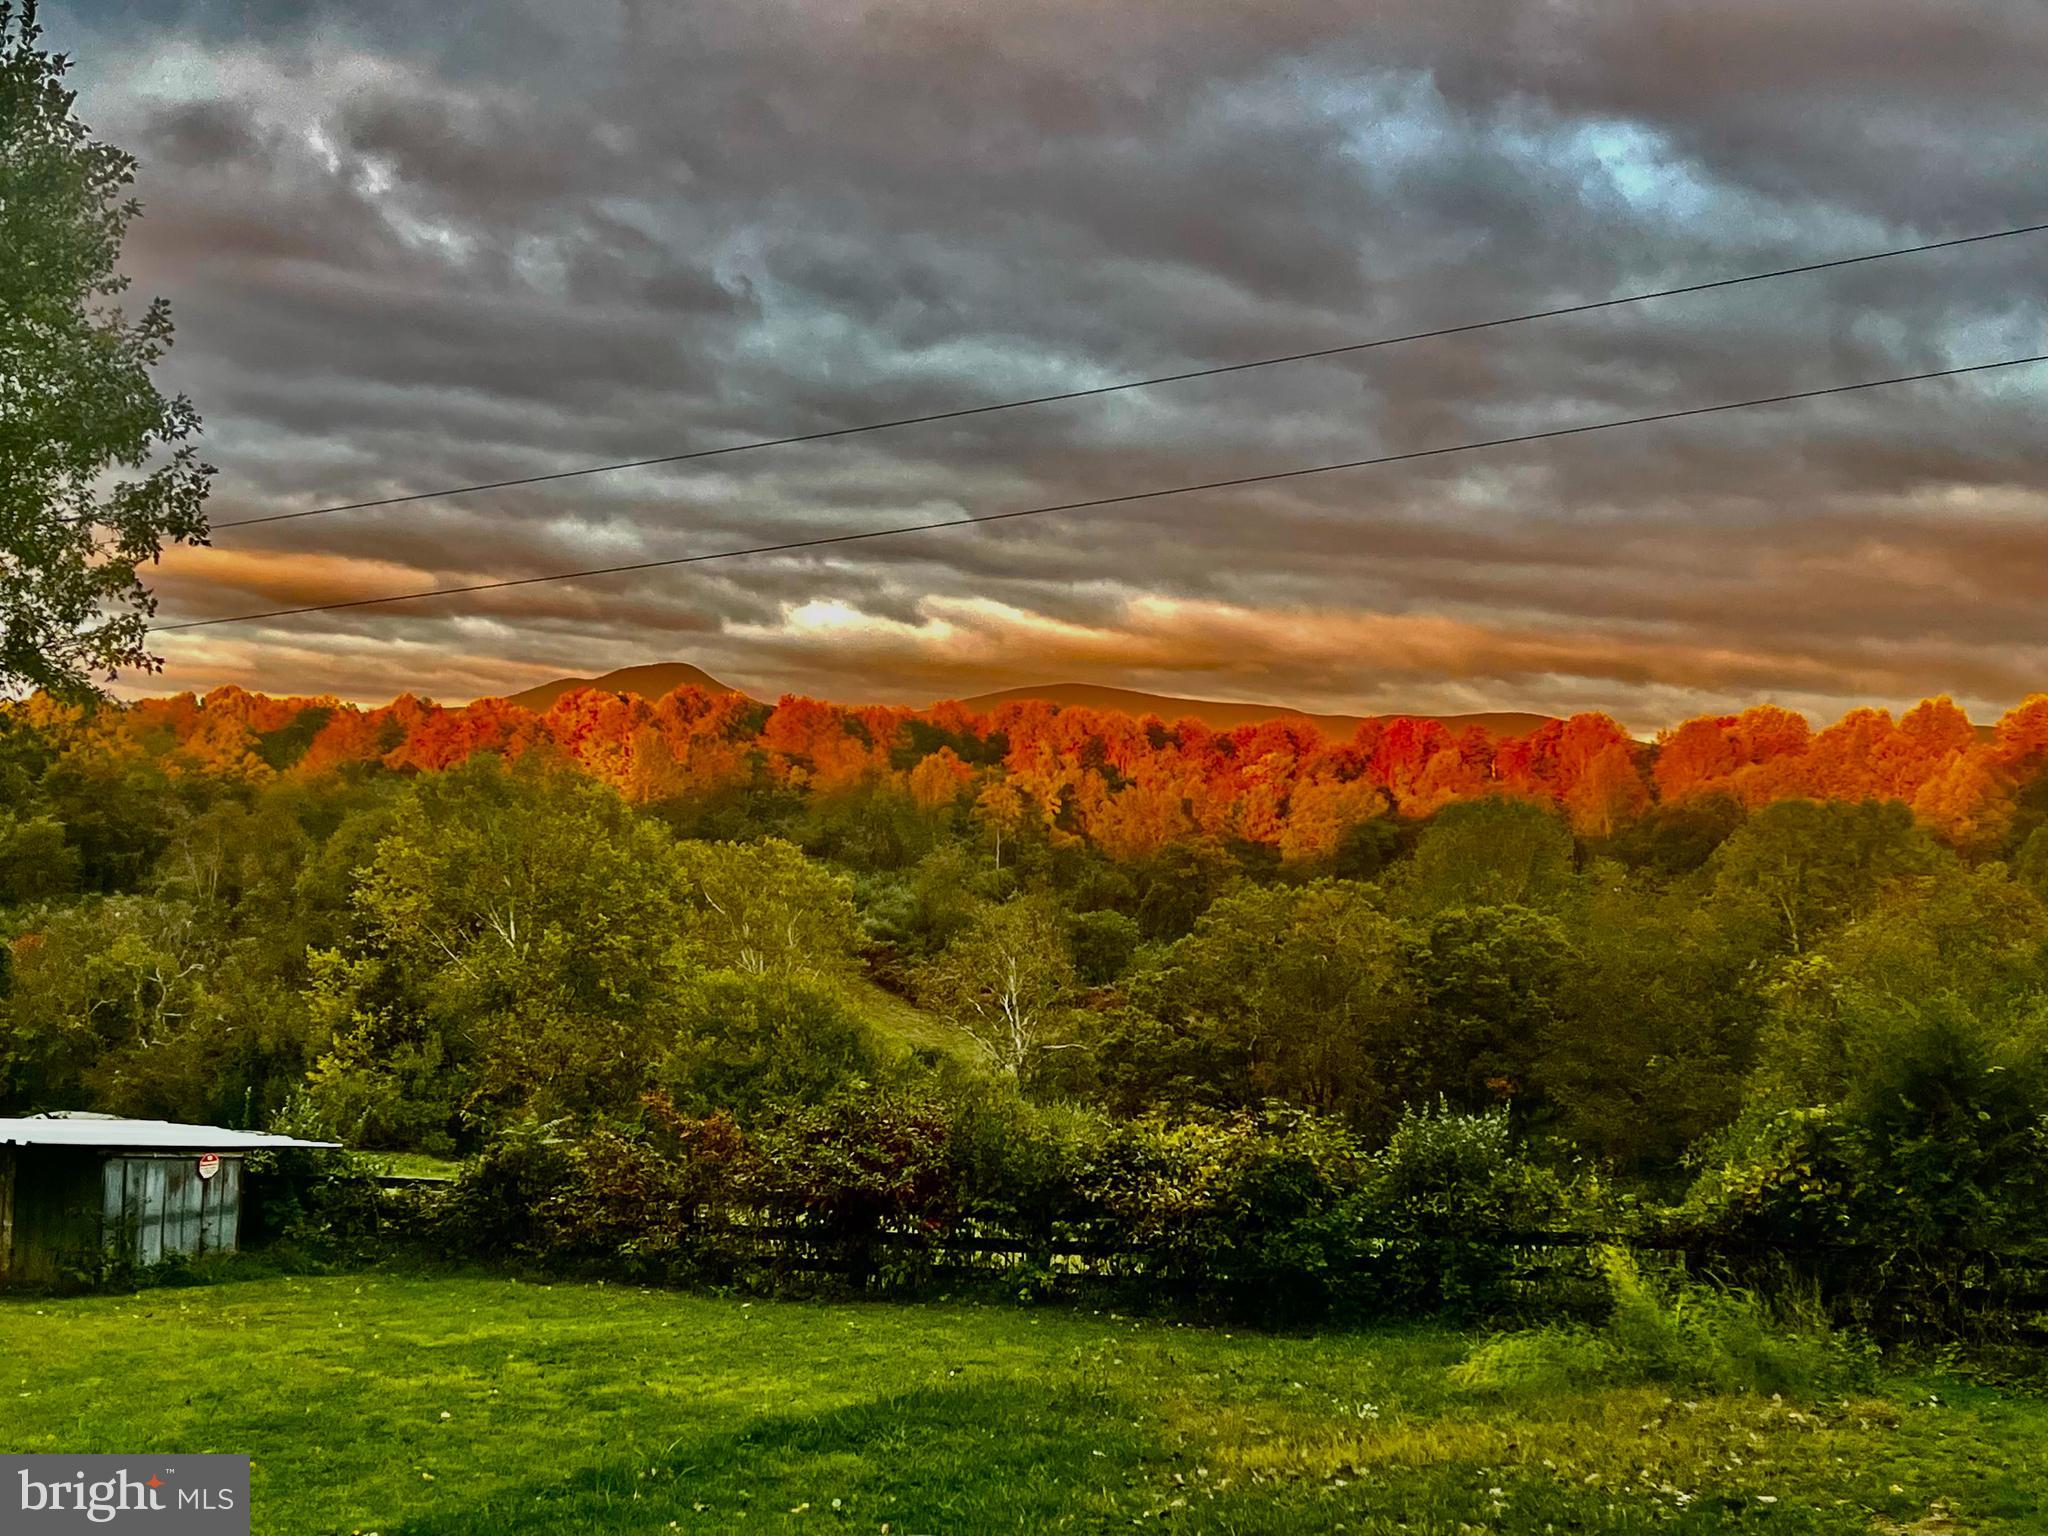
[77,1190]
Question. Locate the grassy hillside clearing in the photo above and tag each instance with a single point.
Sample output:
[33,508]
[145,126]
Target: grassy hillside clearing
[414,1165]
[484,1406]
[903,1026]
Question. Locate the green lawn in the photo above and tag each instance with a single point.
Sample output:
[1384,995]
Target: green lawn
[483,1406]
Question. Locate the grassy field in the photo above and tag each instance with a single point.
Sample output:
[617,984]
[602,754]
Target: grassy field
[454,1406]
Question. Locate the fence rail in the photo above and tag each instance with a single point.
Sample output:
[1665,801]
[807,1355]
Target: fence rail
[1999,1278]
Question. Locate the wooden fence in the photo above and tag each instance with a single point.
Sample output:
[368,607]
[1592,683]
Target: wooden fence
[1557,1267]
[1552,1269]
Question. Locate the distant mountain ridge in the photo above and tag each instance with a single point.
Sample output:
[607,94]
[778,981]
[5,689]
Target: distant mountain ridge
[1223,715]
[661,678]
[654,681]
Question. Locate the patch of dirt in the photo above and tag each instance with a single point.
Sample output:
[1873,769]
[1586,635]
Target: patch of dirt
[1940,1520]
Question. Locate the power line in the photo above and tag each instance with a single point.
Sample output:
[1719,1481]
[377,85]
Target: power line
[1108,501]
[961,412]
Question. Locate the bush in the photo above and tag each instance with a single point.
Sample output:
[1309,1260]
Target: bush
[1024,1166]
[1904,1200]
[1771,1180]
[1240,1214]
[495,1209]
[1445,1201]
[1278,1218]
[1286,1218]
[1021,1169]
[1947,1129]
[637,1202]
[854,1168]
[319,1206]
[1290,1250]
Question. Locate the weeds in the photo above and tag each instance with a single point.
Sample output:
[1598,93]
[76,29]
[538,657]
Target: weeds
[1673,1331]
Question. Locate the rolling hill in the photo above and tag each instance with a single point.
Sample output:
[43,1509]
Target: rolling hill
[660,678]
[655,681]
[1223,715]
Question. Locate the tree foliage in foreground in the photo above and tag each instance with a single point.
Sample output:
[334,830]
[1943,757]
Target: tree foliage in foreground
[97,470]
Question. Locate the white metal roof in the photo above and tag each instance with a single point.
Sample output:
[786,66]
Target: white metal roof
[88,1130]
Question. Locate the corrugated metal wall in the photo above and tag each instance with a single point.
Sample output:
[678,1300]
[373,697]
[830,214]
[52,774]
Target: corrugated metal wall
[6,1210]
[56,1214]
[154,1208]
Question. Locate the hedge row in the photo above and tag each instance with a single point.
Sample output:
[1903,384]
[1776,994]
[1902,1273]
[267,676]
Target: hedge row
[1282,1218]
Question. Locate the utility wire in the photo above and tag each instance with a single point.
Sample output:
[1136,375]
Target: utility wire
[1267,478]
[961,412]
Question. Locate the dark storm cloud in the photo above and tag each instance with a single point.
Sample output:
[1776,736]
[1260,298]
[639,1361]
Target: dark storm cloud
[409,248]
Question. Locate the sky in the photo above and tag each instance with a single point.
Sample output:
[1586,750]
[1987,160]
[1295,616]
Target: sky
[413,246]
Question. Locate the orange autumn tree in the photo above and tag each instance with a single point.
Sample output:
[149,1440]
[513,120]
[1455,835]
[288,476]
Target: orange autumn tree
[938,779]
[1129,786]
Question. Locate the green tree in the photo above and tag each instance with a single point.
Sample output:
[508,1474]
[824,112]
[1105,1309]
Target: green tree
[944,892]
[1304,985]
[35,860]
[2030,864]
[1008,981]
[764,909]
[1365,849]
[1490,979]
[77,403]
[1677,839]
[1799,867]
[1645,1050]
[744,1042]
[135,1004]
[1974,936]
[1177,884]
[1498,851]
[509,937]
[1103,944]
[118,815]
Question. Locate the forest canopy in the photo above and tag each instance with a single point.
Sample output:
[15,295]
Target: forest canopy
[1791,983]
[429,919]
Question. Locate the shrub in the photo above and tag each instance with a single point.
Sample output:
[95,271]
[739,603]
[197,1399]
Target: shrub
[1945,1127]
[1284,1247]
[1024,1166]
[855,1167]
[320,1206]
[1771,1180]
[631,1205]
[495,1209]
[1279,1218]
[1904,1199]
[1445,1201]
[1244,1214]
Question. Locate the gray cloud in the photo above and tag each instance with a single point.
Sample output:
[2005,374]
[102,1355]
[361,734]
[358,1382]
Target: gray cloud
[402,257]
